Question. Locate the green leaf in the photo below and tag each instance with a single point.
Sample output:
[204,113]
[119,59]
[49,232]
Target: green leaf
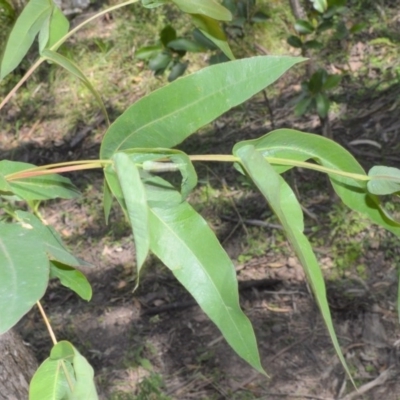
[73,69]
[27,26]
[50,381]
[184,242]
[199,37]
[160,61]
[177,70]
[136,204]
[325,25]
[299,146]
[323,104]
[64,375]
[193,101]
[209,8]
[259,16]
[320,5]
[167,34]
[5,188]
[72,279]
[153,3]
[147,52]
[183,44]
[313,44]
[85,387]
[211,29]
[43,187]
[53,29]
[331,82]
[50,239]
[317,81]
[385,180]
[303,105]
[358,27]
[283,202]
[303,27]
[24,273]
[295,41]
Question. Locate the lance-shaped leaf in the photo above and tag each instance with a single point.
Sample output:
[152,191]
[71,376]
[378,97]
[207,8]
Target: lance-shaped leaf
[299,146]
[28,25]
[50,239]
[184,242]
[385,180]
[212,31]
[24,273]
[193,101]
[136,204]
[53,29]
[283,202]
[43,187]
[210,8]
[73,69]
[72,279]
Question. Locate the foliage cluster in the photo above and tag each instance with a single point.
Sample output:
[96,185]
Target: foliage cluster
[136,151]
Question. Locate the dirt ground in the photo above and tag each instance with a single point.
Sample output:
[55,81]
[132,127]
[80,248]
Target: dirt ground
[133,338]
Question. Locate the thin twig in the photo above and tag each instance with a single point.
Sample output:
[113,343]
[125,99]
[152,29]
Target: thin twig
[46,321]
[380,380]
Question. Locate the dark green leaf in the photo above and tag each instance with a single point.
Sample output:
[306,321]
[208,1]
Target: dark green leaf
[295,41]
[317,81]
[193,101]
[358,27]
[385,180]
[313,44]
[303,105]
[43,187]
[185,45]
[160,62]
[323,104]
[203,40]
[341,30]
[177,70]
[72,279]
[331,82]
[259,16]
[167,34]
[325,25]
[218,58]
[24,273]
[303,27]
[28,25]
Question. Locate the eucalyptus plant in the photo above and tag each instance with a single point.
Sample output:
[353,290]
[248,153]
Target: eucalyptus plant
[136,148]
